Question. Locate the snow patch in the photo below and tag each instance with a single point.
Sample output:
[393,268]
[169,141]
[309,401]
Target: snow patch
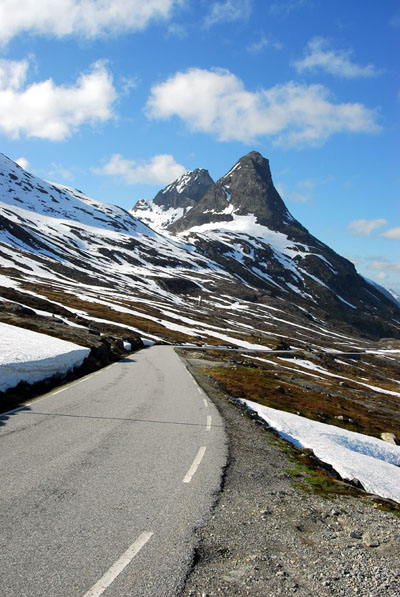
[31,357]
[373,462]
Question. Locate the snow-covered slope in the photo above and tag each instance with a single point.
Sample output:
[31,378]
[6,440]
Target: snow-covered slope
[390,294]
[54,232]
[31,357]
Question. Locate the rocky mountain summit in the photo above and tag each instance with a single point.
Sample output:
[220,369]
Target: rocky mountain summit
[242,223]
[174,201]
[247,189]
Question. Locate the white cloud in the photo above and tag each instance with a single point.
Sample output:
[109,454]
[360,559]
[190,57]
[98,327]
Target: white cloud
[384,265]
[304,189]
[295,196]
[58,171]
[228,11]
[177,30]
[365,227]
[283,8]
[393,233]
[23,162]
[161,169]
[385,270]
[13,73]
[89,18]
[216,102]
[258,46]
[339,63]
[48,111]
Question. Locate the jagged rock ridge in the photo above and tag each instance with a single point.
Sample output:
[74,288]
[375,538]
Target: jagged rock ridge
[246,189]
[173,202]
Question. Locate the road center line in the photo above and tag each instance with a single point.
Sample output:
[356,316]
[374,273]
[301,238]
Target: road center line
[205,402]
[195,465]
[208,423]
[105,581]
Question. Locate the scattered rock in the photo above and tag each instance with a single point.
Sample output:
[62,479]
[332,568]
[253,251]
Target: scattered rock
[369,542]
[391,438]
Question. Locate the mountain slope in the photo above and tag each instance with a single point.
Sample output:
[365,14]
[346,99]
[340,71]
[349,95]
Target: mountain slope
[61,234]
[243,224]
[70,263]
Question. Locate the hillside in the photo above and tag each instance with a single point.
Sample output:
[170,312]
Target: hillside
[235,270]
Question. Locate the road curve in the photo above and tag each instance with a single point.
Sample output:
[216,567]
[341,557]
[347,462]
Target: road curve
[104,480]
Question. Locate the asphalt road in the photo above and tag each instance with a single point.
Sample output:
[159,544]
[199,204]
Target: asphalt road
[104,480]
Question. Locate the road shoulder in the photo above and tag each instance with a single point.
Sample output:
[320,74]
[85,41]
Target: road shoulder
[267,537]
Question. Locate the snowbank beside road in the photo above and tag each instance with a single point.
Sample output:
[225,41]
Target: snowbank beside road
[31,357]
[373,462]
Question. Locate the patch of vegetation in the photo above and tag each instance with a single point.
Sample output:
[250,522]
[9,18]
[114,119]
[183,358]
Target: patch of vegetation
[321,398]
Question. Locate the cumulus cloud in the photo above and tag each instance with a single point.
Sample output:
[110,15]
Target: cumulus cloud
[384,265]
[319,56]
[365,227]
[48,111]
[228,11]
[161,169]
[89,19]
[393,233]
[216,102]
[23,162]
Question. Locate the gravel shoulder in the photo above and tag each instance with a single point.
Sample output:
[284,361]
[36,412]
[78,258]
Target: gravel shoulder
[266,537]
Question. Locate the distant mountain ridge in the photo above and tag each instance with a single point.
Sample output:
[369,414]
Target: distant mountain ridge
[233,244]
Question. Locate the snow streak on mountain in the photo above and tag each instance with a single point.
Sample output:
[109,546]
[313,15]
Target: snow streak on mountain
[227,263]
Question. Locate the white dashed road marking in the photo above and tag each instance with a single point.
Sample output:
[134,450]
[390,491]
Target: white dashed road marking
[105,581]
[195,465]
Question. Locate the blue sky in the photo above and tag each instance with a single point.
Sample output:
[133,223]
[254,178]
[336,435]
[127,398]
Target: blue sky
[118,98]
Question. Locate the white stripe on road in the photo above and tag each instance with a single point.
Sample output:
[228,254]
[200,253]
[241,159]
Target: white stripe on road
[205,402]
[208,423]
[14,410]
[195,465]
[116,569]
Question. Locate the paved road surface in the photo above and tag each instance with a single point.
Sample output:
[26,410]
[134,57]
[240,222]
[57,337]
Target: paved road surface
[104,480]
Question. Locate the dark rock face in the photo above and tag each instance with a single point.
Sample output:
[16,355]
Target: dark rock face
[186,191]
[248,189]
[183,194]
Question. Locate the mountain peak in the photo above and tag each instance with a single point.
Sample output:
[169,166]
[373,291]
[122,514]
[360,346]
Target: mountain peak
[184,192]
[246,190]
[173,202]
